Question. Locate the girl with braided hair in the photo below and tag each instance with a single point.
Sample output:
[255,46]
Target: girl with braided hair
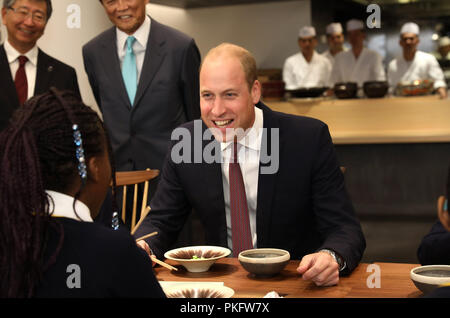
[55,171]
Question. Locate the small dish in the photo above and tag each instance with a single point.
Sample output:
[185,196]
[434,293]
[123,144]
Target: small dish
[264,261]
[198,290]
[197,259]
[428,277]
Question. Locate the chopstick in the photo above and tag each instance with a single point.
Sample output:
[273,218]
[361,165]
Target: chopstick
[146,236]
[144,214]
[157,261]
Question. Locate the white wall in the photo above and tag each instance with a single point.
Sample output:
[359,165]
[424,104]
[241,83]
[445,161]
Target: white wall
[268,30]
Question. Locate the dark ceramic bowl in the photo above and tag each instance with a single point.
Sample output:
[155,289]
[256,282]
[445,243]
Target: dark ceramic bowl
[375,89]
[427,278]
[345,90]
[310,92]
[264,261]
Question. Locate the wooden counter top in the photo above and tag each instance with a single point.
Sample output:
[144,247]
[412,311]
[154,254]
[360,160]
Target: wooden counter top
[424,119]
[394,281]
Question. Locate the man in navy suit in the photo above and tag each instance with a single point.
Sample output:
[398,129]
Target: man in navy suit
[25,22]
[292,194]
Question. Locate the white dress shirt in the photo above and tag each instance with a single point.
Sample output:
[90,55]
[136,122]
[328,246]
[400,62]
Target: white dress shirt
[299,73]
[139,46]
[423,66]
[249,148]
[62,206]
[30,67]
[367,67]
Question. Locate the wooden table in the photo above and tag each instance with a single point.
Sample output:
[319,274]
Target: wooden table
[378,120]
[394,279]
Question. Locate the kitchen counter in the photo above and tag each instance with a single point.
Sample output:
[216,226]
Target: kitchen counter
[421,119]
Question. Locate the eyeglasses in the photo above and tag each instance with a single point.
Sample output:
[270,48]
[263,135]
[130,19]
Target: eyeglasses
[23,13]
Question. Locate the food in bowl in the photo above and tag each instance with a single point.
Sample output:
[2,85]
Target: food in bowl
[197,258]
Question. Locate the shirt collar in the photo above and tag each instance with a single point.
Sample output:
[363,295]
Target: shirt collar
[141,35]
[13,54]
[252,138]
[62,206]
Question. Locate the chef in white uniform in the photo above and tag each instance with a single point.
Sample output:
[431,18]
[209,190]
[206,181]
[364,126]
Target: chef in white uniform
[335,40]
[359,64]
[306,68]
[413,64]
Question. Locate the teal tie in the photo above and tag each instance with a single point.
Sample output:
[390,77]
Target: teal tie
[129,70]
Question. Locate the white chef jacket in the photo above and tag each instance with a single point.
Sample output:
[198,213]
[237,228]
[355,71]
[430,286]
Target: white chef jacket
[368,67]
[298,73]
[330,57]
[423,66]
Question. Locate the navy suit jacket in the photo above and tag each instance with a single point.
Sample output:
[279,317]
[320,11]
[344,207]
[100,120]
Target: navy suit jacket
[302,207]
[50,73]
[435,246]
[167,94]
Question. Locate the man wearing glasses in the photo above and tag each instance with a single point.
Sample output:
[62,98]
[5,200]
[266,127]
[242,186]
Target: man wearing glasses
[25,70]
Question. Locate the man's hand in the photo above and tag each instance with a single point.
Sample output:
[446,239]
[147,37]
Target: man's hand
[321,268]
[442,92]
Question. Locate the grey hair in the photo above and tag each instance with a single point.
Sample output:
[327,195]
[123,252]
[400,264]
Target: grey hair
[10,3]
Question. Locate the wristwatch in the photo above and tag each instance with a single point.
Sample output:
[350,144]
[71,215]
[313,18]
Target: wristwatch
[342,264]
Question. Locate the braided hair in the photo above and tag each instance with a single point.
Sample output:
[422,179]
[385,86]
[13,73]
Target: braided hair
[38,153]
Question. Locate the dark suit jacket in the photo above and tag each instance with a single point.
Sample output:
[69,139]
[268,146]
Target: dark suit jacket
[110,264]
[435,246]
[302,207]
[50,72]
[167,94]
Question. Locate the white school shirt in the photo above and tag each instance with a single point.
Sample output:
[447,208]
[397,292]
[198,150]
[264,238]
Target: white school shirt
[139,46]
[423,66]
[30,67]
[249,149]
[298,73]
[368,67]
[62,206]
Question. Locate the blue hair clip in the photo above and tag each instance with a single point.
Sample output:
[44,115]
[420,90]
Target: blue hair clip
[80,153]
[446,205]
[115,221]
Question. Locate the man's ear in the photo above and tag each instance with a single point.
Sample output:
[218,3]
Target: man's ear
[444,216]
[256,92]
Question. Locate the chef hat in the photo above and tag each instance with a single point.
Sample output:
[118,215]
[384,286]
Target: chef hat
[334,28]
[307,32]
[444,41]
[410,27]
[354,24]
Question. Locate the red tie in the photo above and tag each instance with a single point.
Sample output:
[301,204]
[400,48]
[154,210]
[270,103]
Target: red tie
[21,80]
[240,225]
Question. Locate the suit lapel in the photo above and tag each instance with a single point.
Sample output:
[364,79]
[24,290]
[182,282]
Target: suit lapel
[111,65]
[154,56]
[43,73]
[266,181]
[212,176]
[8,88]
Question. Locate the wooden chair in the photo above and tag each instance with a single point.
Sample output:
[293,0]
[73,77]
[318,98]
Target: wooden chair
[130,178]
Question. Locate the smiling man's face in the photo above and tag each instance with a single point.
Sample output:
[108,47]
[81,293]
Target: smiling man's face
[24,31]
[227,103]
[127,15]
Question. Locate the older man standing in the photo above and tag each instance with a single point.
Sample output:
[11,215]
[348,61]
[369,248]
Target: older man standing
[358,64]
[306,68]
[144,76]
[413,64]
[25,70]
